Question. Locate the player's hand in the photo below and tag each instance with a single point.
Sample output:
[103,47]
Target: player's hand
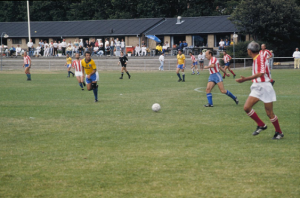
[240,80]
[228,75]
[89,76]
[205,67]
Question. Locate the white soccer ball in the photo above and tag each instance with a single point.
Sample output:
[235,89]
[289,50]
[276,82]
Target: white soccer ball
[155,107]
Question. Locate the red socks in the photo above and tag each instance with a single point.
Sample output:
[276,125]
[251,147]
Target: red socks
[224,75]
[276,124]
[232,72]
[255,117]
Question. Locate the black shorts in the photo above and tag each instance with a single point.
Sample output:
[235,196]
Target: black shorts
[123,65]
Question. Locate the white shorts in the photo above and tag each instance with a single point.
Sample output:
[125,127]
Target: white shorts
[77,73]
[264,91]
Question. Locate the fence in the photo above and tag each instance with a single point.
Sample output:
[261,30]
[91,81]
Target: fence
[138,64]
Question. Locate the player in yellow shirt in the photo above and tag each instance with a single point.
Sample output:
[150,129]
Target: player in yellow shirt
[69,66]
[89,67]
[180,65]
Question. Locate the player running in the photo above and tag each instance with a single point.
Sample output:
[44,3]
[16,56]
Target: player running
[27,65]
[78,71]
[180,65]
[194,64]
[201,58]
[267,55]
[215,78]
[92,76]
[227,59]
[123,60]
[262,90]
[69,65]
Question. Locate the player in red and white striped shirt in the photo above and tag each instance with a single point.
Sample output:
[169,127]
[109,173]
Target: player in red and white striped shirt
[27,65]
[215,78]
[78,71]
[267,55]
[194,64]
[261,89]
[227,59]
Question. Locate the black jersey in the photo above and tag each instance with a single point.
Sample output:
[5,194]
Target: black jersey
[123,60]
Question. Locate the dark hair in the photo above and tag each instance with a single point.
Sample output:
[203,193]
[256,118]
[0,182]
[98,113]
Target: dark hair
[191,53]
[87,52]
[210,52]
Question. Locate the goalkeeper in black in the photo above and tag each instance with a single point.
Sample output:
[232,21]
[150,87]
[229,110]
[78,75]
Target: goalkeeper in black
[123,60]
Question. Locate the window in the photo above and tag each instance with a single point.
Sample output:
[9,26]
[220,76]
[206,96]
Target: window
[16,41]
[162,39]
[200,40]
[218,38]
[176,39]
[241,38]
[33,40]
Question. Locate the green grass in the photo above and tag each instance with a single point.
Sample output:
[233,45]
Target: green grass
[56,142]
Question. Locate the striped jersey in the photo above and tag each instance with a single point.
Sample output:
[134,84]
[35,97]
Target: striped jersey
[227,58]
[27,59]
[216,68]
[265,53]
[193,58]
[260,67]
[77,65]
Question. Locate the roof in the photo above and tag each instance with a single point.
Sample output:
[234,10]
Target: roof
[195,25]
[124,27]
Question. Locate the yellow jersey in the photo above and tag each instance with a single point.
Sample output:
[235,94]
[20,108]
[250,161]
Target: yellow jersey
[180,59]
[88,67]
[69,60]
[159,48]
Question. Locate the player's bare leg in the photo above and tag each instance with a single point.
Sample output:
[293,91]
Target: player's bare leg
[274,120]
[82,80]
[225,68]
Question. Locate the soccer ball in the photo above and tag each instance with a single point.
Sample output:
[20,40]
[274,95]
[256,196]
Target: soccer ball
[155,107]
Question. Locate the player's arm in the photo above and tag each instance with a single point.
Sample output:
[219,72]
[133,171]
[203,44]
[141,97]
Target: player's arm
[184,63]
[126,60]
[82,69]
[229,59]
[223,70]
[243,79]
[210,66]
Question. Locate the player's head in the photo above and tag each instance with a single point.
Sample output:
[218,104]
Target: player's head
[25,53]
[263,46]
[209,54]
[87,55]
[77,55]
[122,53]
[224,53]
[179,51]
[297,49]
[67,55]
[200,52]
[253,48]
[191,54]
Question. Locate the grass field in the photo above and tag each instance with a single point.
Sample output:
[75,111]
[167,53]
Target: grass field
[56,142]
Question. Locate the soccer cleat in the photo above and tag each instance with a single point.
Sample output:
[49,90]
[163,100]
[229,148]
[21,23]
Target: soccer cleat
[198,73]
[179,80]
[278,136]
[84,84]
[96,100]
[234,76]
[223,77]
[121,78]
[82,89]
[68,76]
[129,76]
[236,101]
[193,73]
[183,80]
[208,105]
[259,129]
[73,74]
[273,82]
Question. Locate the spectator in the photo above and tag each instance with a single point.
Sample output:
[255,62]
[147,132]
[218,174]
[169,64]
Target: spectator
[90,47]
[143,43]
[76,43]
[97,44]
[18,50]
[221,45]
[167,44]
[95,51]
[158,49]
[296,56]
[180,45]
[231,43]
[118,47]
[80,42]
[55,47]
[162,61]
[144,50]
[59,46]
[112,46]
[271,60]
[123,46]
[51,48]
[69,50]
[100,42]
[80,50]
[164,48]
[30,47]
[74,50]
[137,50]
[69,43]
[12,50]
[41,43]
[185,44]
[92,43]
[37,51]
[46,44]
[227,43]
[63,47]
[86,45]
[107,50]
[106,42]
[101,50]
[46,51]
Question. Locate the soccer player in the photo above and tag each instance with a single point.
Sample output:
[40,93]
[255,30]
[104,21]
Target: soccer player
[78,71]
[194,64]
[262,90]
[215,78]
[267,55]
[123,60]
[180,65]
[27,65]
[227,59]
[201,58]
[92,76]
[69,65]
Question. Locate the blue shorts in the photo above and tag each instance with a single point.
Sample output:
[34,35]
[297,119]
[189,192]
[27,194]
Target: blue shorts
[26,65]
[195,63]
[93,78]
[180,66]
[201,61]
[227,64]
[216,78]
[69,65]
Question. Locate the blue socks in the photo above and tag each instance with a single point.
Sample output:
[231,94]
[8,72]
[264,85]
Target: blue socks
[209,98]
[80,84]
[228,93]
[96,93]
[179,76]
[183,77]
